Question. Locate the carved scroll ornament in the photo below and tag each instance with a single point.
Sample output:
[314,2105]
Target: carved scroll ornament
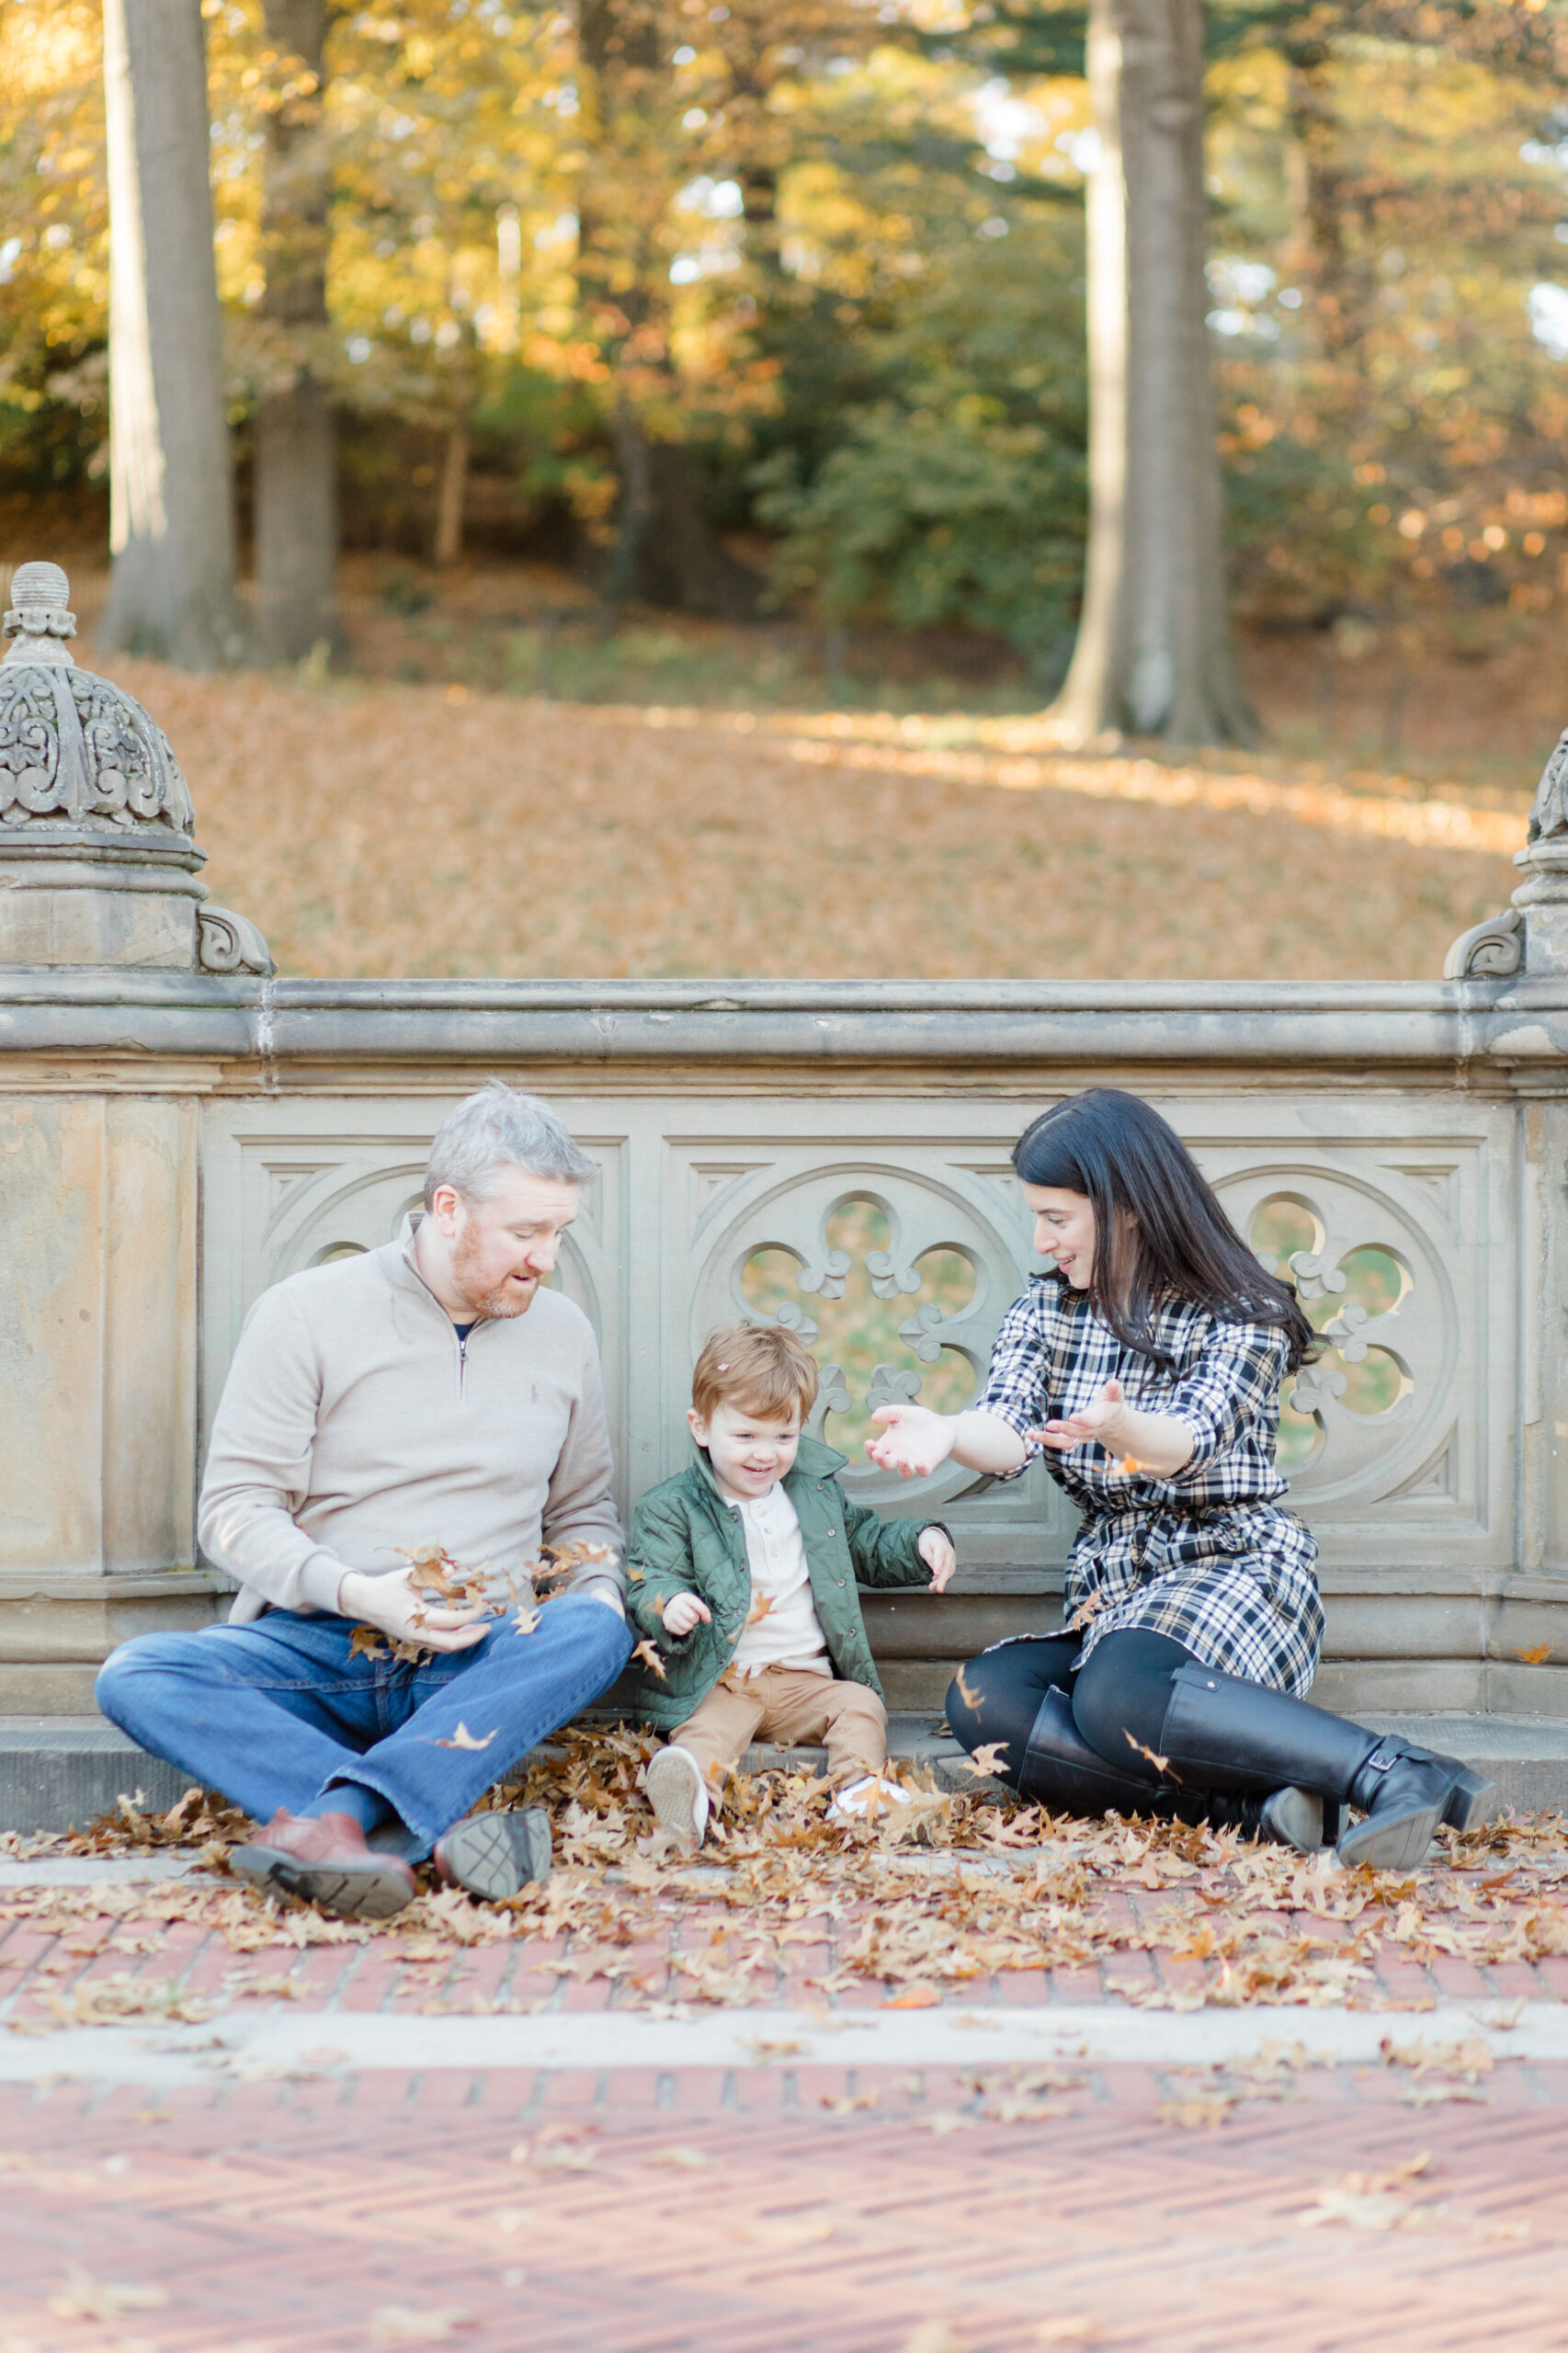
[229,943]
[1493,950]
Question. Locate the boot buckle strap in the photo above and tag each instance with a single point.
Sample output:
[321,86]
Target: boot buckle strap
[1384,1757]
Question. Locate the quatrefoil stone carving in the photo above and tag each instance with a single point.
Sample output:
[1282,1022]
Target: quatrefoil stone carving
[1373,1280]
[842,1258]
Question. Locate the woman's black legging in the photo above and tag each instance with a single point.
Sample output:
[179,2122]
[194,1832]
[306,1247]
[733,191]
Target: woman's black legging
[1124,1689]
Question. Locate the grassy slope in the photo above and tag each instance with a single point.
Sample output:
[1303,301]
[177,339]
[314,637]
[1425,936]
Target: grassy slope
[373,828]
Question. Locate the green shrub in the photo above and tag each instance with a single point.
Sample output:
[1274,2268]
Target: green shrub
[956,490]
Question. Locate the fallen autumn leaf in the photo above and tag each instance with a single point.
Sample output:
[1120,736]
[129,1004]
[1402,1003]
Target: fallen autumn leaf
[400,2325]
[85,2298]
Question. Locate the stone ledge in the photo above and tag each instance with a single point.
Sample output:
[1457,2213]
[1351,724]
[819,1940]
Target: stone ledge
[996,1028]
[61,1772]
[1526,1755]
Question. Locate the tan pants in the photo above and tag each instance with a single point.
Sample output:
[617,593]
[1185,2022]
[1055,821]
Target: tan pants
[784,1705]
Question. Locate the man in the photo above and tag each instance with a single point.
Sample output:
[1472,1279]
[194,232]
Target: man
[429,1396]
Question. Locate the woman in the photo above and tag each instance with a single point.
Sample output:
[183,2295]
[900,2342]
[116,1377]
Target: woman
[1147,1365]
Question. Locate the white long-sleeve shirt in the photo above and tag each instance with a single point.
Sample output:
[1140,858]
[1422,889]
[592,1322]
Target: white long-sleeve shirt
[790,1633]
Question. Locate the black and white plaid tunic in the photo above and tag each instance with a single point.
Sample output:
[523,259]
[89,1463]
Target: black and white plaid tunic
[1204,1556]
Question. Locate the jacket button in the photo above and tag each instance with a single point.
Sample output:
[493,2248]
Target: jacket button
[841,1581]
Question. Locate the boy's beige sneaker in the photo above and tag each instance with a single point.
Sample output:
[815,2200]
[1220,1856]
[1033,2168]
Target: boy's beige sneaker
[863,1800]
[678,1794]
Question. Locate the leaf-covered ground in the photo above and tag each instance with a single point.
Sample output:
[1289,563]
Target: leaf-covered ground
[951,1900]
[373,828]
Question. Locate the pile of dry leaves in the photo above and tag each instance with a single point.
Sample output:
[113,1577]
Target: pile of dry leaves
[939,1895]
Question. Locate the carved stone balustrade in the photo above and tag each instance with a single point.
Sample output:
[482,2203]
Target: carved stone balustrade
[835,1153]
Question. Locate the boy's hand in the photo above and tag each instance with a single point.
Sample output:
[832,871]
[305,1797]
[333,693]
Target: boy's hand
[684,1611]
[935,1549]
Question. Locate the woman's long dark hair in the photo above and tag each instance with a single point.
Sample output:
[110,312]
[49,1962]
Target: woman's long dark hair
[1158,1226]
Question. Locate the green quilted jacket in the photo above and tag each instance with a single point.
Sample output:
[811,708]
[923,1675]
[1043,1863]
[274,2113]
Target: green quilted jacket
[686,1538]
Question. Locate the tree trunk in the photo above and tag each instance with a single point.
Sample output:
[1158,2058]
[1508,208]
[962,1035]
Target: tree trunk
[687,565]
[1154,651]
[666,551]
[171,525]
[759,212]
[1316,194]
[296,466]
[633,507]
[450,500]
[295,522]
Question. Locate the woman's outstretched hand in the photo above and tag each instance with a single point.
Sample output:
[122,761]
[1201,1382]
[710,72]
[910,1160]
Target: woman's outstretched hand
[912,1440]
[1102,1422]
[1158,1445]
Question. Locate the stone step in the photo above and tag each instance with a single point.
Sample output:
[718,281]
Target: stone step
[1526,1756]
[912,1740]
[61,1772]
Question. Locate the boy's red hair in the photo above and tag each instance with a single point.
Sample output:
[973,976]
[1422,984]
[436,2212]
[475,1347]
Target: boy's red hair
[760,1367]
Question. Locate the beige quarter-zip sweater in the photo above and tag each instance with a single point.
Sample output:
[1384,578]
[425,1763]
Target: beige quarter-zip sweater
[355,1423]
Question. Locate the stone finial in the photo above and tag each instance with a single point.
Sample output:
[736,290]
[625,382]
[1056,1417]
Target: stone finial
[41,618]
[1542,898]
[97,863]
[1549,811]
[1531,935]
[77,749]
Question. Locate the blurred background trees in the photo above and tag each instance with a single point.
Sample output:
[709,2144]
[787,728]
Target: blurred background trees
[778,306]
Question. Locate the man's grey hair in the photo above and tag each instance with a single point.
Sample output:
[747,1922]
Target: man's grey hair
[500,1129]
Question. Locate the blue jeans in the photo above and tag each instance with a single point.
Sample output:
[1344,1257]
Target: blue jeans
[277,1712]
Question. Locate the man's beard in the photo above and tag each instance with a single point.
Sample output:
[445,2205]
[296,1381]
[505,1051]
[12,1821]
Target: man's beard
[499,1302]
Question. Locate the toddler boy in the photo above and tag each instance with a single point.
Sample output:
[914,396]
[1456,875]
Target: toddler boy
[743,1576]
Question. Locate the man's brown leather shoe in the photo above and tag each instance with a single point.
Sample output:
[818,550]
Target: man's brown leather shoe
[323,1857]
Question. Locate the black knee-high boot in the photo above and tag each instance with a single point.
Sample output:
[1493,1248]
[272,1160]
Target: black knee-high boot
[1061,1769]
[1239,1736]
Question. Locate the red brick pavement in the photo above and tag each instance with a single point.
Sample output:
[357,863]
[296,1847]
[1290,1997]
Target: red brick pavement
[518,1973]
[290,2215]
[837,2210]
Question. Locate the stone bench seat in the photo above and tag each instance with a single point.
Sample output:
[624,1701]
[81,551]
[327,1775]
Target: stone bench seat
[61,1772]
